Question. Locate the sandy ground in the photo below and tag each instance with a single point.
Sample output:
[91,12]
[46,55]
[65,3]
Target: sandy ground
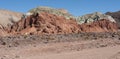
[60,47]
[64,50]
[101,53]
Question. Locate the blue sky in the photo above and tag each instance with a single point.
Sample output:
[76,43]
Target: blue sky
[75,7]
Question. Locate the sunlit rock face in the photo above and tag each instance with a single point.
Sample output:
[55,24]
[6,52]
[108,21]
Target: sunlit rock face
[102,25]
[56,11]
[9,17]
[93,17]
[46,20]
[116,16]
[45,23]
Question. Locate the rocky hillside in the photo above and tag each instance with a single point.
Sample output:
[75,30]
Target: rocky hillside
[9,17]
[46,20]
[93,17]
[58,12]
[45,23]
[102,25]
[116,16]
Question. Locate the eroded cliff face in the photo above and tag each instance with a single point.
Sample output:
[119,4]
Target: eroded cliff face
[45,23]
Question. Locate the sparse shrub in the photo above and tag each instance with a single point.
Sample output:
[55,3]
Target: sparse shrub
[50,38]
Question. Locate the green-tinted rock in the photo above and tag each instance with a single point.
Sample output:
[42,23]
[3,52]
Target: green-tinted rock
[59,12]
[93,17]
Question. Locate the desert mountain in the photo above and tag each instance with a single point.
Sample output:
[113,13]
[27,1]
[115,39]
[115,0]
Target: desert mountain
[93,17]
[9,17]
[56,11]
[116,16]
[46,23]
[46,20]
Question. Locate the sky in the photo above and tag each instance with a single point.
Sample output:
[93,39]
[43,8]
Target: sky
[75,7]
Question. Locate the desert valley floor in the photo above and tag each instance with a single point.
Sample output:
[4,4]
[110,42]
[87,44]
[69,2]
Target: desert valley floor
[61,46]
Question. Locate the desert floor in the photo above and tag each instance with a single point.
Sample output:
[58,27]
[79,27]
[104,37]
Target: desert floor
[72,46]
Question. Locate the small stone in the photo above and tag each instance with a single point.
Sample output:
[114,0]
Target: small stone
[17,56]
[118,38]
[3,43]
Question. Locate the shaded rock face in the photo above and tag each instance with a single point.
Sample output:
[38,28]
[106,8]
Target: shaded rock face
[45,23]
[102,25]
[116,16]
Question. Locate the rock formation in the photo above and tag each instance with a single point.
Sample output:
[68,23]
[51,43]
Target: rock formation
[116,16]
[93,17]
[45,23]
[9,17]
[102,25]
[58,12]
[45,20]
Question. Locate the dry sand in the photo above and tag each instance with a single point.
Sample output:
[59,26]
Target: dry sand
[61,47]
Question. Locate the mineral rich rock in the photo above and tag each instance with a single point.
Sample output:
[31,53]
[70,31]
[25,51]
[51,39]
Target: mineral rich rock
[116,16]
[45,23]
[93,17]
[55,11]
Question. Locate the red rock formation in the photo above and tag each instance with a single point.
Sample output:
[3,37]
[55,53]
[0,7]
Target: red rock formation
[99,26]
[45,23]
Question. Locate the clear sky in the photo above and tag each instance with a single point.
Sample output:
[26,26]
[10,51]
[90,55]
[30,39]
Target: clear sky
[75,7]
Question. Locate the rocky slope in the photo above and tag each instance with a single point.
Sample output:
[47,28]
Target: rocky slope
[116,16]
[9,17]
[45,23]
[93,17]
[46,20]
[102,25]
[56,11]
